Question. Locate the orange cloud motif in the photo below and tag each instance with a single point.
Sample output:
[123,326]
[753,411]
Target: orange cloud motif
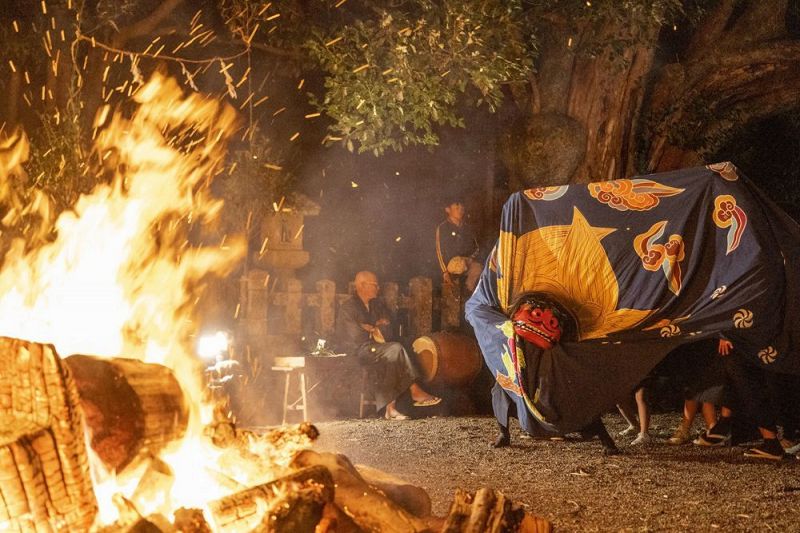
[631,195]
[546,193]
[727,214]
[666,257]
[727,170]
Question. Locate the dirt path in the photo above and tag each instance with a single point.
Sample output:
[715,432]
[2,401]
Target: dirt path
[655,488]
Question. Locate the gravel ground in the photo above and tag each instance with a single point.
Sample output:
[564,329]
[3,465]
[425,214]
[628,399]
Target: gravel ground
[653,488]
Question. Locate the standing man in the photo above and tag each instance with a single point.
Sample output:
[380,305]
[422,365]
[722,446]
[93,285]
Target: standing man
[456,246]
[363,329]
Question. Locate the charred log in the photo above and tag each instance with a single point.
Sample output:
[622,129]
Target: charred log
[490,511]
[368,507]
[130,406]
[291,503]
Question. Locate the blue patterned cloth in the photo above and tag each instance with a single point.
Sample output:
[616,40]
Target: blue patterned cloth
[642,265]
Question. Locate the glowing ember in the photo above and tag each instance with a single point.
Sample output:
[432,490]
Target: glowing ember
[120,278]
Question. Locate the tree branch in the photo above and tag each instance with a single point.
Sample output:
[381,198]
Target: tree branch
[146,25]
[761,21]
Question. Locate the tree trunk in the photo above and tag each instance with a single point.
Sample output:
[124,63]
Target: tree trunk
[607,116]
[129,406]
[14,91]
[584,111]
[739,67]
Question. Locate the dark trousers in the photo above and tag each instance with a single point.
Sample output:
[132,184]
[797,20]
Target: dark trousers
[747,392]
[392,369]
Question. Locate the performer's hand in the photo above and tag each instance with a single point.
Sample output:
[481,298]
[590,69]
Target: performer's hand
[725,347]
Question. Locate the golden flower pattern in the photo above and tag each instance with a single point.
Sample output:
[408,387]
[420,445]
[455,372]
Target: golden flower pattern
[768,355]
[743,318]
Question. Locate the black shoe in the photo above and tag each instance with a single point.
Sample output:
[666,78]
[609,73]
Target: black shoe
[770,449]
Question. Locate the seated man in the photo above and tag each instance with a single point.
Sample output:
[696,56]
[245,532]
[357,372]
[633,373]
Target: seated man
[456,246]
[362,329]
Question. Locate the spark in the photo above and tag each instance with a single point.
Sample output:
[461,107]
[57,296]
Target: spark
[13,68]
[279,111]
[334,41]
[353,184]
[299,231]
[295,136]
[312,115]
[362,67]
[272,17]
[261,101]
[272,167]
[263,248]
[339,3]
[300,85]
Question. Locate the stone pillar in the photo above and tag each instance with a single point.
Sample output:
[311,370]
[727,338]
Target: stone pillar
[253,314]
[420,291]
[327,307]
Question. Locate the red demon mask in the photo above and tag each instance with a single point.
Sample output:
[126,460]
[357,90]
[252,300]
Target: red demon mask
[539,323]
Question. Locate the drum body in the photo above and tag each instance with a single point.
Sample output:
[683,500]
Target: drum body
[448,358]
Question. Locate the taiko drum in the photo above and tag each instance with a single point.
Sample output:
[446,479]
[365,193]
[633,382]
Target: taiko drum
[448,358]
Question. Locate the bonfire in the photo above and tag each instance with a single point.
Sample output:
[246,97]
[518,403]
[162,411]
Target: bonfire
[105,423]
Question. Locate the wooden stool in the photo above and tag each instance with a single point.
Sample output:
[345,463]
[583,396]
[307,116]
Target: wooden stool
[367,392]
[293,366]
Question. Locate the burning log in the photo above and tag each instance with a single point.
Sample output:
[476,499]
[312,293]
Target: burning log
[287,504]
[490,511]
[410,497]
[44,471]
[130,406]
[369,508]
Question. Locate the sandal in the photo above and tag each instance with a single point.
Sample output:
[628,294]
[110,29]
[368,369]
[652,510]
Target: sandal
[397,415]
[770,449]
[427,403]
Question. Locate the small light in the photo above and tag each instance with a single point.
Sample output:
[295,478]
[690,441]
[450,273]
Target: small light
[213,345]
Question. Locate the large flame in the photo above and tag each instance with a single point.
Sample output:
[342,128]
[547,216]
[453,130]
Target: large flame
[120,276]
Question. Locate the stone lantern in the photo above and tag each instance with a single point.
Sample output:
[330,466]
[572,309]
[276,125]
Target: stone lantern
[282,233]
[274,267]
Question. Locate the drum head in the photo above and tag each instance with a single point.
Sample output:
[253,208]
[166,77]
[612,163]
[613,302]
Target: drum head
[427,357]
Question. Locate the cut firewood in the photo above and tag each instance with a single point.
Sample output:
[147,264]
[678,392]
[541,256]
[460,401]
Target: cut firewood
[334,520]
[155,484]
[130,407]
[44,471]
[489,511]
[369,508]
[287,504]
[190,521]
[410,497]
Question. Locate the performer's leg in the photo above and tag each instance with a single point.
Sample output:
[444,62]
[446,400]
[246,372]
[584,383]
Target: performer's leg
[598,429]
[504,409]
